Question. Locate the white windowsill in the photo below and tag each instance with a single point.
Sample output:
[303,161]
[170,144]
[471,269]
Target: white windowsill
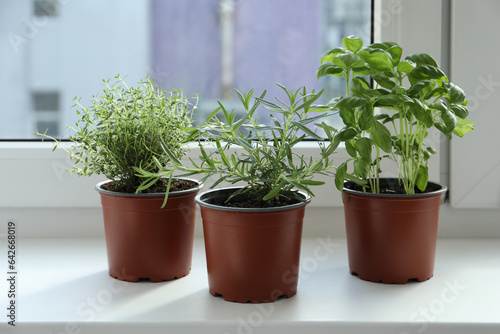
[63,287]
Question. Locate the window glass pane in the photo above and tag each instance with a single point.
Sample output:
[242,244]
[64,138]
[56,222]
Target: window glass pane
[45,101]
[55,50]
[45,7]
[51,128]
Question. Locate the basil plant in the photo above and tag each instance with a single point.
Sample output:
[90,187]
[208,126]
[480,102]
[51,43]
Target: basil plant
[414,96]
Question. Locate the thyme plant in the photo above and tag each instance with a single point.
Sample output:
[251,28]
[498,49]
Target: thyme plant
[267,164]
[417,92]
[127,127]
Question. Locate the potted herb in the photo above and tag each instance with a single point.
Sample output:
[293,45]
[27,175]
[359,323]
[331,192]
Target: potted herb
[124,128]
[253,231]
[391,223]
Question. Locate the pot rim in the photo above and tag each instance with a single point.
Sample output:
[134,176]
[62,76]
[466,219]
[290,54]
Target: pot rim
[198,199]
[172,193]
[441,191]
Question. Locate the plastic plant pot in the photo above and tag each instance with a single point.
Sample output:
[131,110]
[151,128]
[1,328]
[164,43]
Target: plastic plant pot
[144,241]
[252,254]
[392,238]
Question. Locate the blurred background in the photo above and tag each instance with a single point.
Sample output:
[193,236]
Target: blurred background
[52,51]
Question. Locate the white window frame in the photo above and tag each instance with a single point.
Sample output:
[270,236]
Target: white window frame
[36,189]
[475,162]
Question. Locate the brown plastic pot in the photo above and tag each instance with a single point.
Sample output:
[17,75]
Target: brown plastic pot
[252,254]
[392,238]
[145,241]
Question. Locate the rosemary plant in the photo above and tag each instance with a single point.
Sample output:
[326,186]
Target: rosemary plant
[428,100]
[267,165]
[127,127]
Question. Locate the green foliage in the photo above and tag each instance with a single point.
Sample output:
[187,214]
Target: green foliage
[428,100]
[129,127]
[267,163]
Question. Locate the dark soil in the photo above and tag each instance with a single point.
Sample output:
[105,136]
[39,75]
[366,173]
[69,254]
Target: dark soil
[392,186]
[158,187]
[249,200]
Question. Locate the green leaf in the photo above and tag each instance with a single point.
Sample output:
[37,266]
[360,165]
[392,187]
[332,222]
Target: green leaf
[274,191]
[350,148]
[329,130]
[377,59]
[366,118]
[206,159]
[276,122]
[256,104]
[442,127]
[346,134]
[288,152]
[422,178]
[422,59]
[308,100]
[437,92]
[351,102]
[340,175]
[273,107]
[170,154]
[329,69]
[428,152]
[449,119]
[213,113]
[427,71]
[384,81]
[381,136]
[306,130]
[463,126]
[361,167]
[333,102]
[405,66]
[457,95]
[459,110]
[244,144]
[359,86]
[291,96]
[383,117]
[438,105]
[168,190]
[392,99]
[311,182]
[392,48]
[364,148]
[361,70]
[421,113]
[330,54]
[399,90]
[298,185]
[396,51]
[348,60]
[225,160]
[309,120]
[219,181]
[417,87]
[431,150]
[352,43]
[243,99]
[347,115]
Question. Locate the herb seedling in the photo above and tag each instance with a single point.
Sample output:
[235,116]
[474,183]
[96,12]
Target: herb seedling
[127,127]
[267,165]
[428,100]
